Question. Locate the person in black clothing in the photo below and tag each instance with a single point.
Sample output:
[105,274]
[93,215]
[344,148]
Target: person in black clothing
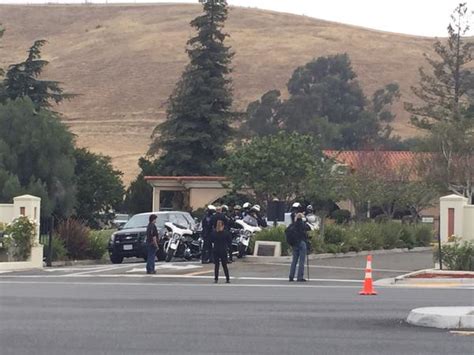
[260,220]
[237,212]
[300,248]
[207,228]
[220,239]
[151,244]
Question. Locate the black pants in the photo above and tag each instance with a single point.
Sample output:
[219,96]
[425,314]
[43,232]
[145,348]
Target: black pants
[206,255]
[222,258]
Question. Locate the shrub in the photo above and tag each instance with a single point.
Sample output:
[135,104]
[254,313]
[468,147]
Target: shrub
[407,237]
[21,237]
[423,235]
[390,232]
[341,216]
[317,242]
[369,236]
[457,256]
[274,234]
[98,241]
[382,218]
[75,236]
[334,234]
[58,249]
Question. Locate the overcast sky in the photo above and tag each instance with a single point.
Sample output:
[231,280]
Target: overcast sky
[418,17]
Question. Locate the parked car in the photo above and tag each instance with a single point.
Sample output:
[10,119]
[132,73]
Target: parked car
[130,241]
[120,220]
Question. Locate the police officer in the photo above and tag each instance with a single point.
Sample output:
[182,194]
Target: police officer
[246,209]
[295,208]
[237,212]
[207,228]
[260,220]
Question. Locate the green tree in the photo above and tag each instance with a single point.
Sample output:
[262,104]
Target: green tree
[36,156]
[446,112]
[327,102]
[22,80]
[263,116]
[138,197]
[275,166]
[100,190]
[197,128]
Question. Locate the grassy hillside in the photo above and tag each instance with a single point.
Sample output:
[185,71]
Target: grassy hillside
[125,60]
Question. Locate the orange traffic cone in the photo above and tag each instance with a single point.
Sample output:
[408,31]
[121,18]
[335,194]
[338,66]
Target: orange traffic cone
[368,289]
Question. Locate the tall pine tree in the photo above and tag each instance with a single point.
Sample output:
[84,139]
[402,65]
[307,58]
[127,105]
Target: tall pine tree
[447,109]
[197,128]
[22,80]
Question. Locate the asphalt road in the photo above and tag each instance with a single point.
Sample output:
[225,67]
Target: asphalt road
[110,309]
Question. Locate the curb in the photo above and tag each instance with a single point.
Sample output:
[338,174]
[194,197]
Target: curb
[407,278]
[443,317]
[77,263]
[253,258]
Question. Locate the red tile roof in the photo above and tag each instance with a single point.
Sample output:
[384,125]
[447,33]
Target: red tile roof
[389,159]
[186,178]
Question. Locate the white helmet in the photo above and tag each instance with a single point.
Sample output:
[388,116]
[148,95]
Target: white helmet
[296,205]
[246,205]
[211,208]
[256,208]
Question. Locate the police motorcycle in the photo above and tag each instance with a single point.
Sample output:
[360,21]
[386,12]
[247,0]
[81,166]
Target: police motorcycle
[242,232]
[181,242]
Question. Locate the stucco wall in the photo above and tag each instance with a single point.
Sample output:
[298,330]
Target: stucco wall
[463,217]
[6,213]
[468,230]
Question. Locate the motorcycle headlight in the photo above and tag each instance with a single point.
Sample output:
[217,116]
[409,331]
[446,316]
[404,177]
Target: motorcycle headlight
[248,234]
[176,236]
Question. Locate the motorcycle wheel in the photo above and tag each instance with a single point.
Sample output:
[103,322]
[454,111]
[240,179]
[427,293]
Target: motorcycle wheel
[169,255]
[242,252]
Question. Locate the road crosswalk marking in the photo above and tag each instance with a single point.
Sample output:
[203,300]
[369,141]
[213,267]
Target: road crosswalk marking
[166,267]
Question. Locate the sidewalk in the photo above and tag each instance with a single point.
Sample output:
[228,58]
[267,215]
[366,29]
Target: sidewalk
[443,317]
[433,278]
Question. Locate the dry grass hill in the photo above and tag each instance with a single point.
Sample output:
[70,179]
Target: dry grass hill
[125,60]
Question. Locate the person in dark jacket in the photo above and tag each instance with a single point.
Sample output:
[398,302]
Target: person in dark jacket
[206,224]
[261,221]
[220,239]
[299,248]
[237,212]
[151,244]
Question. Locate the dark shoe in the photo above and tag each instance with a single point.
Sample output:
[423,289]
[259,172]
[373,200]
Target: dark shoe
[301,280]
[215,281]
[291,280]
[151,272]
[227,282]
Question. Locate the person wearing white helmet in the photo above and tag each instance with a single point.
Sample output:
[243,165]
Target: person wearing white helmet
[295,208]
[260,220]
[246,209]
[206,224]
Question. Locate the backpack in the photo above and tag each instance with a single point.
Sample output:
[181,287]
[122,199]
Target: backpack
[291,235]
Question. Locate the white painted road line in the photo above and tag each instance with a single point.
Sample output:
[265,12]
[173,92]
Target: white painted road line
[339,267]
[173,284]
[167,267]
[106,268]
[170,276]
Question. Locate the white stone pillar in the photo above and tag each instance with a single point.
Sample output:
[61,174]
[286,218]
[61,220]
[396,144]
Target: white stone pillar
[454,205]
[156,199]
[29,206]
